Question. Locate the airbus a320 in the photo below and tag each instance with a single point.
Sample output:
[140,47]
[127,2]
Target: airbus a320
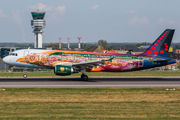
[69,62]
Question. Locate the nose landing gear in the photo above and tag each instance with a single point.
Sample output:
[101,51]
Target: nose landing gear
[25,75]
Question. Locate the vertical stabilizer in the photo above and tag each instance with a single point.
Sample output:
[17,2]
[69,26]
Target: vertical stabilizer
[161,45]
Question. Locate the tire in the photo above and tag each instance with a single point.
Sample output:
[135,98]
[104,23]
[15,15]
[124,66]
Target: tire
[84,77]
[25,75]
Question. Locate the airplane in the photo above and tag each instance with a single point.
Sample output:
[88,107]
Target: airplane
[69,62]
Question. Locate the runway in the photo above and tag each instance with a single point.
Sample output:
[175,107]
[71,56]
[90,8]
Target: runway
[76,82]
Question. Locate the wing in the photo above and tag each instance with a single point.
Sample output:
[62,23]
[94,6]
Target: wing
[89,65]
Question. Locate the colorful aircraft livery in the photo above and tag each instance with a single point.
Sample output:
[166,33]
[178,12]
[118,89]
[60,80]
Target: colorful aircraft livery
[68,62]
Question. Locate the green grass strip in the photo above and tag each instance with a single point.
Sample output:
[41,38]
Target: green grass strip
[89,104]
[96,74]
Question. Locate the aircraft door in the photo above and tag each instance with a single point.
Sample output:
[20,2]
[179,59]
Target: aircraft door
[140,62]
[25,55]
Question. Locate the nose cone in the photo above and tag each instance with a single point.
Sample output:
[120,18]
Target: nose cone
[6,60]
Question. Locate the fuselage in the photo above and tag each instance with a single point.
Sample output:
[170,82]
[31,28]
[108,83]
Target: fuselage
[33,58]
[68,62]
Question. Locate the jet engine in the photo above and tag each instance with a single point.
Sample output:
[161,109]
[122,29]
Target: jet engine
[63,70]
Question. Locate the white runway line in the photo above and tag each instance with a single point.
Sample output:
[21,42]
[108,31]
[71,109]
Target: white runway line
[23,86]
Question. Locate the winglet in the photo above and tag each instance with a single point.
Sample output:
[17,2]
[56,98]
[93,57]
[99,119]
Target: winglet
[111,59]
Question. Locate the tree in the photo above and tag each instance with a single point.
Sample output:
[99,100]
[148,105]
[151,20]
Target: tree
[24,45]
[53,45]
[103,43]
[142,44]
[178,66]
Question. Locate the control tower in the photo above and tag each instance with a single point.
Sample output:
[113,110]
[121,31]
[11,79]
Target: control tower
[38,23]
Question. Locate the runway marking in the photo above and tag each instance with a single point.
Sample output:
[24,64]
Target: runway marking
[173,85]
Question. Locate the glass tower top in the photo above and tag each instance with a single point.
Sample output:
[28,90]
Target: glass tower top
[38,15]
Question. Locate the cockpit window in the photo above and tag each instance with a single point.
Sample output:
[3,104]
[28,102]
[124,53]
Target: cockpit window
[14,54]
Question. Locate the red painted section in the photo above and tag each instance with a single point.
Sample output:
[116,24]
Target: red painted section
[158,41]
[161,51]
[156,44]
[153,48]
[149,52]
[166,49]
[156,52]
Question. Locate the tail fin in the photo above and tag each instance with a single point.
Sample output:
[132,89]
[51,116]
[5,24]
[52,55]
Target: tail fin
[161,45]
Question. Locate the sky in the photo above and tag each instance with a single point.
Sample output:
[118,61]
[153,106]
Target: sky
[110,20]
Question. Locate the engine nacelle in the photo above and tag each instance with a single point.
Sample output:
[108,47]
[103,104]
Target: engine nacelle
[63,70]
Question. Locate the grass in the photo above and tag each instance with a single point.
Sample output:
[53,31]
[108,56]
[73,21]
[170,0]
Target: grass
[91,74]
[89,103]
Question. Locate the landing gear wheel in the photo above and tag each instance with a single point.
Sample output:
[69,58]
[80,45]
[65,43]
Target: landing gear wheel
[25,75]
[84,77]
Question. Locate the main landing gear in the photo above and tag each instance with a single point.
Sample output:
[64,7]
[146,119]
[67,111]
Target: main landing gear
[84,76]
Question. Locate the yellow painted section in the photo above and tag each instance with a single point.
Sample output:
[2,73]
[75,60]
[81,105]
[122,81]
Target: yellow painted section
[170,49]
